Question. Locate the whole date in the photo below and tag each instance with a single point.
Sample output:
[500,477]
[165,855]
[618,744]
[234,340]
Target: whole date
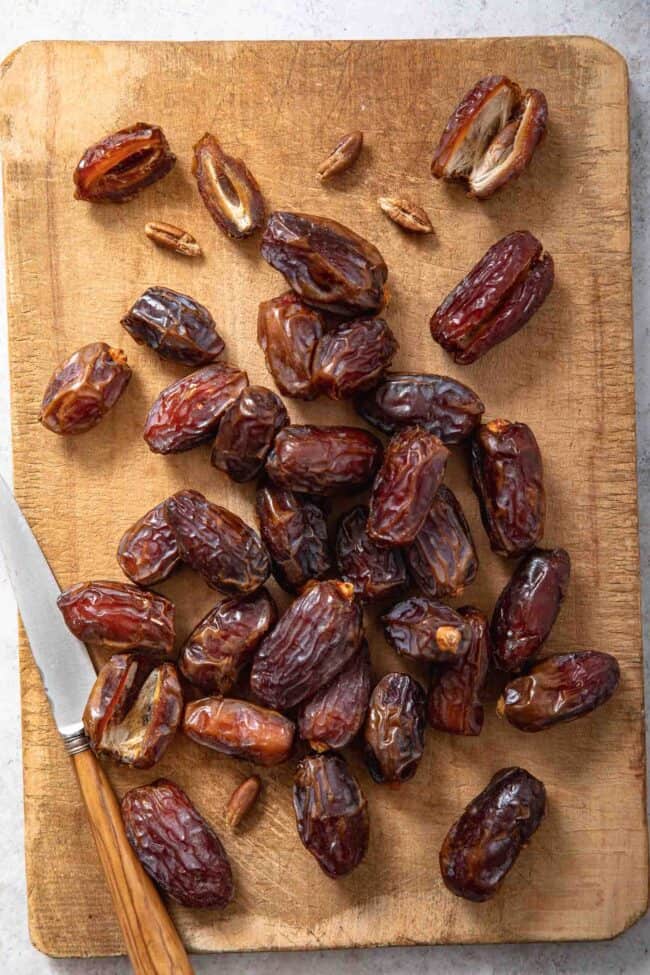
[240,729]
[84,388]
[442,558]
[376,573]
[246,433]
[148,551]
[332,718]
[454,703]
[175,326]
[294,530]
[421,629]
[323,460]
[394,729]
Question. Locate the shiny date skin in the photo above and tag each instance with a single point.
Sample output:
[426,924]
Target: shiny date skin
[175,326]
[440,405]
[508,477]
[376,573]
[175,845]
[442,559]
[528,607]
[294,530]
[331,813]
[482,846]
[240,729]
[228,189]
[215,542]
[84,388]
[334,716]
[563,687]
[288,332]
[323,460]
[394,729]
[353,357]
[421,629]
[148,551]
[454,703]
[246,433]
[115,169]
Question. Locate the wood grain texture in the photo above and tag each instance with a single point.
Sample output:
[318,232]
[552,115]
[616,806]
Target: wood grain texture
[73,269]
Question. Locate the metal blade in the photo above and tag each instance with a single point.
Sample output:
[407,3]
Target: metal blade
[65,667]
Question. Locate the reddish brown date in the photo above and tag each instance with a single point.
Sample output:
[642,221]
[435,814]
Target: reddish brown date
[442,560]
[148,551]
[328,265]
[228,189]
[84,388]
[133,710]
[440,405]
[117,168]
[454,703]
[563,687]
[394,730]
[240,729]
[421,629]
[508,478]
[215,542]
[294,531]
[405,486]
[482,846]
[353,357]
[225,640]
[188,412]
[528,607]
[376,573]
[246,433]
[288,331]
[175,326]
[114,616]
[332,718]
[331,813]
[314,640]
[176,846]
[323,460]
[495,299]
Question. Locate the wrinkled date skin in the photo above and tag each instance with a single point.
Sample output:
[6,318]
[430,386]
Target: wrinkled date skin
[294,531]
[454,703]
[215,542]
[353,357]
[482,846]
[528,607]
[314,640]
[394,730]
[115,616]
[439,404]
[175,326]
[225,640]
[133,710]
[376,573]
[508,477]
[117,168]
[323,460]
[331,813]
[495,299]
[405,486]
[188,412]
[148,551]
[332,718]
[442,560]
[288,331]
[421,629]
[84,388]
[563,687]
[176,846]
[228,189]
[240,729]
[326,264]
[246,433]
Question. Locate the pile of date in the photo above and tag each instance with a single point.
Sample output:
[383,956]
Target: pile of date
[260,686]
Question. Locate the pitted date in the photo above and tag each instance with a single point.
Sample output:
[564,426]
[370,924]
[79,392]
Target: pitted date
[328,265]
[442,560]
[133,710]
[439,404]
[563,687]
[117,168]
[83,389]
[175,845]
[394,730]
[240,729]
[405,486]
[224,641]
[421,629]
[188,412]
[376,573]
[314,640]
[528,607]
[454,703]
[148,551]
[482,846]
[288,331]
[175,326]
[331,813]
[332,718]
[215,542]
[246,433]
[353,357]
[228,189]
[294,531]
[114,616]
[323,460]
[508,474]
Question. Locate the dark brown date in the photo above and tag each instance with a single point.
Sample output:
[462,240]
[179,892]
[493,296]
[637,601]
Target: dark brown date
[188,412]
[323,460]
[288,331]
[176,846]
[481,847]
[294,531]
[246,433]
[225,640]
[83,389]
[215,542]
[563,687]
[117,168]
[229,190]
[454,703]
[332,718]
[148,551]
[528,606]
[394,730]
[331,813]
[353,357]
[421,629]
[405,486]
[314,640]
[175,326]
[240,729]
[327,264]
[442,560]
[508,478]
[376,573]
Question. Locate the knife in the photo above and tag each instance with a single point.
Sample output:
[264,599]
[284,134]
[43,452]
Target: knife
[152,942]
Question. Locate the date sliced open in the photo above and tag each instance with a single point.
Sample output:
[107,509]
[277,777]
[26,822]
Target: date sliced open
[228,189]
[120,165]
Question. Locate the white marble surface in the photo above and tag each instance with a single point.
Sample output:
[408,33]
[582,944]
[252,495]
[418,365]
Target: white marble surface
[622,24]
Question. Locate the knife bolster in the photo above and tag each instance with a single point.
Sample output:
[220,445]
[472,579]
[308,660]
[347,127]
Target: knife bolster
[75,743]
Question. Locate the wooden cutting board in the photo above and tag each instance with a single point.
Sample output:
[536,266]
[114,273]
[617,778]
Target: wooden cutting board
[72,271]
